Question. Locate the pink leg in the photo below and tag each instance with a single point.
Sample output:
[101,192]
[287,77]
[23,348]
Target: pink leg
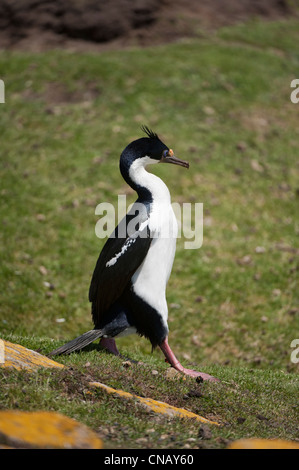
[109,345]
[170,357]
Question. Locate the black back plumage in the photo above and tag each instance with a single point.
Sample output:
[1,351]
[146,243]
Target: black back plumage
[109,281]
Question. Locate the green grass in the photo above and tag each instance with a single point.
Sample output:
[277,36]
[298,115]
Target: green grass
[223,103]
[247,402]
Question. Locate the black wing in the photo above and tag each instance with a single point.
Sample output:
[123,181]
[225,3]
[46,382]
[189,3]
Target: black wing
[120,257]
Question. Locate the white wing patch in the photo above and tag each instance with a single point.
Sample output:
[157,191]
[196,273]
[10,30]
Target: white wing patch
[143,225]
[113,260]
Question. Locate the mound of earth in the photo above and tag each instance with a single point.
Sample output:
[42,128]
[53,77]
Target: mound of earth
[37,25]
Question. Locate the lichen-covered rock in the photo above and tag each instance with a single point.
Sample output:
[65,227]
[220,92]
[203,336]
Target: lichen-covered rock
[263,444]
[44,430]
[17,357]
[154,405]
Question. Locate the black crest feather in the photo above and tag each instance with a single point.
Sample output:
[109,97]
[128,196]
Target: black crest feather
[149,132]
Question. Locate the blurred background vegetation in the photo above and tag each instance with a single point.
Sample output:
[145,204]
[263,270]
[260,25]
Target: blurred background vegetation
[221,99]
[213,80]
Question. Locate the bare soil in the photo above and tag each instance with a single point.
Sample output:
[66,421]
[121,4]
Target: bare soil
[92,25]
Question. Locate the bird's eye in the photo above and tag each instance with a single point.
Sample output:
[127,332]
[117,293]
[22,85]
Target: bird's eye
[165,153]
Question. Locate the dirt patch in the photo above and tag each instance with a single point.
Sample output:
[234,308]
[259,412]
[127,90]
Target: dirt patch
[76,384]
[37,25]
[55,93]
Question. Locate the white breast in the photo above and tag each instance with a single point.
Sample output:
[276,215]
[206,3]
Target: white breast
[150,280]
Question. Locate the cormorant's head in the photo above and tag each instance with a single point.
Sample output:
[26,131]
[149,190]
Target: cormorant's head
[149,150]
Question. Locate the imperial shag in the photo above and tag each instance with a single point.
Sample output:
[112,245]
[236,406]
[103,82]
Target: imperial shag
[128,286]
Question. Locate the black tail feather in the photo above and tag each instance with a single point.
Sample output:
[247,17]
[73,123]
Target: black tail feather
[78,343]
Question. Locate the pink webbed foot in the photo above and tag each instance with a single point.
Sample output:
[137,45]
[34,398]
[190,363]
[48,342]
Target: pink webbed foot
[109,345]
[195,373]
[170,357]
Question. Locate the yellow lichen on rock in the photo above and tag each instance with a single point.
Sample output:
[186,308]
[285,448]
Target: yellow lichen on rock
[45,430]
[263,444]
[154,405]
[17,357]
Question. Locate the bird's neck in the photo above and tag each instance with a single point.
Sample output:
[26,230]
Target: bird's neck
[148,186]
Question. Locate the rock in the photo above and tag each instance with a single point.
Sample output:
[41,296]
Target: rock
[204,432]
[293,311]
[262,417]
[153,405]
[260,249]
[256,166]
[194,393]
[175,306]
[40,217]
[172,373]
[208,110]
[49,285]
[242,146]
[45,430]
[141,440]
[43,270]
[18,357]
[241,420]
[245,260]
[195,340]
[127,364]
[263,444]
